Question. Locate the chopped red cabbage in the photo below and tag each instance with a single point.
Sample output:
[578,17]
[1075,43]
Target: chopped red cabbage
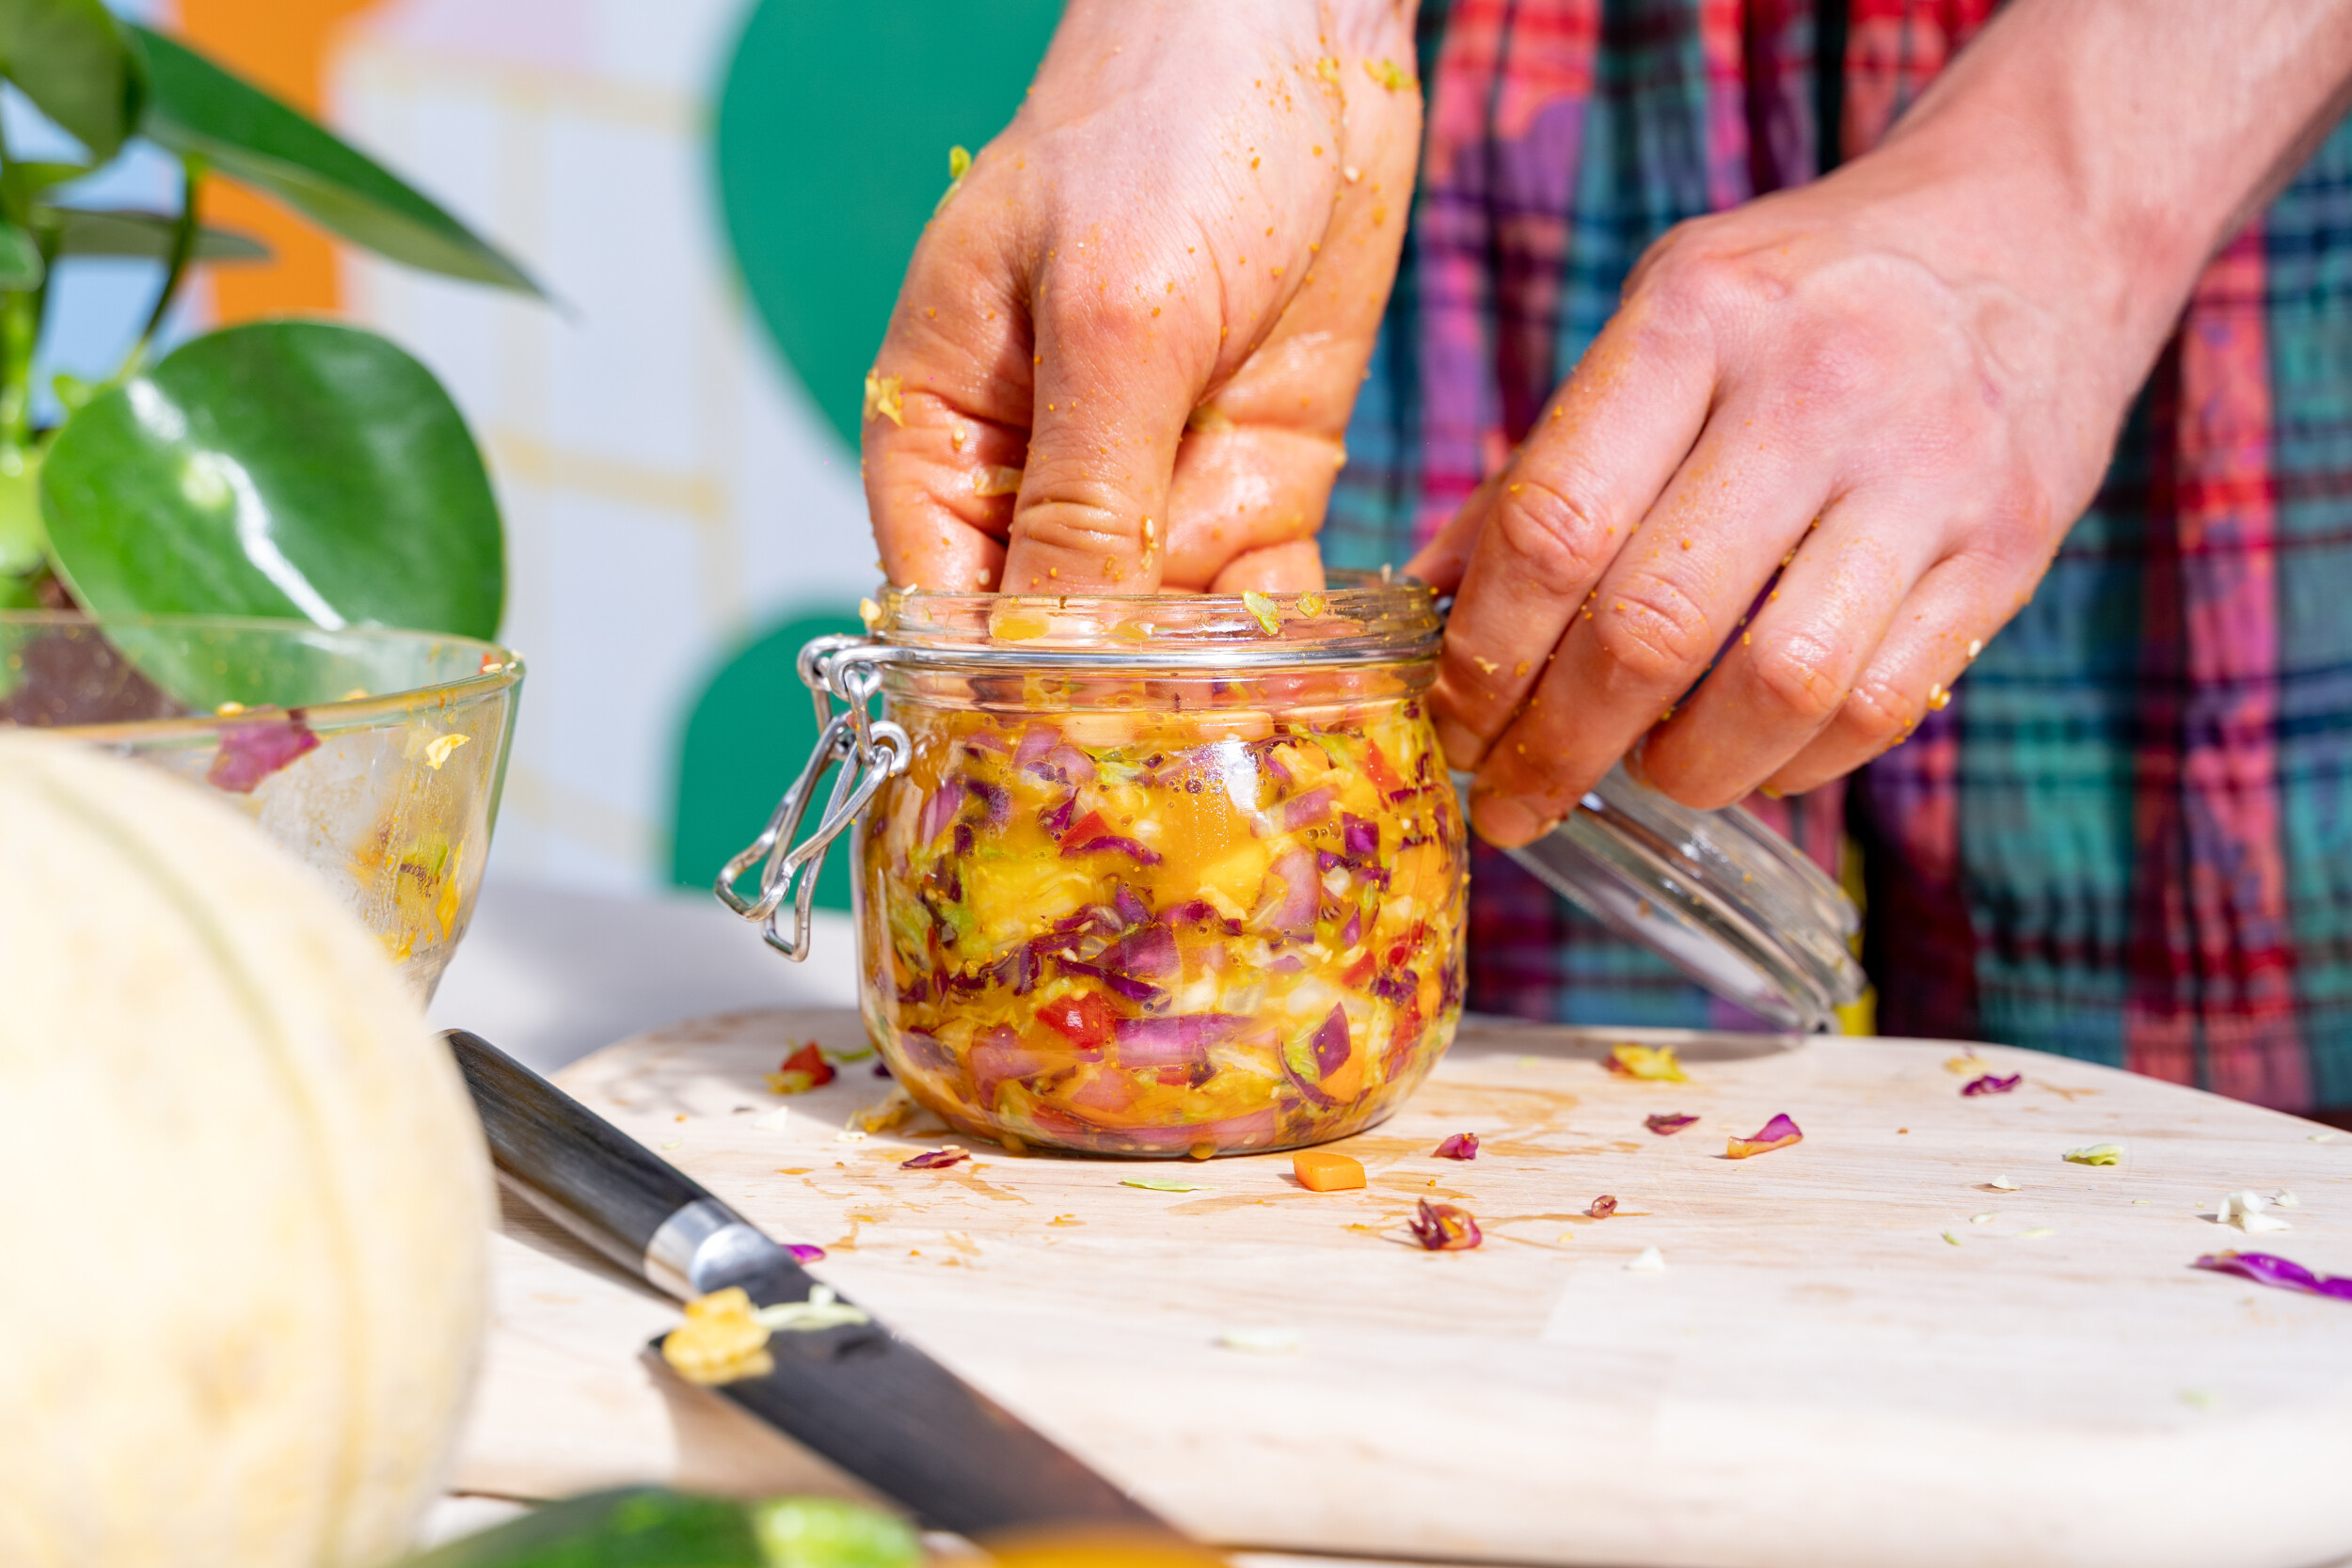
[2265,1268]
[1779,1133]
[804,1252]
[1331,1041]
[1305,810]
[935,1159]
[1992,1083]
[251,752]
[1091,833]
[1461,1146]
[1359,834]
[1666,1123]
[1443,1227]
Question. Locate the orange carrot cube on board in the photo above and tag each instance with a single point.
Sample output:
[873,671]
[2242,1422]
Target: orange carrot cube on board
[1327,1173]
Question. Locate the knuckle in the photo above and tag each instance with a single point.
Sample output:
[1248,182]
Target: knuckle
[1654,631]
[1555,539]
[1794,677]
[1876,714]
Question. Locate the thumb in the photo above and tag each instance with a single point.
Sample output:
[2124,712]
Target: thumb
[1114,382]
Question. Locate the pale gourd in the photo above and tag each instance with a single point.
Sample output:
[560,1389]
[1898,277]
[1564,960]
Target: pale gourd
[242,1197]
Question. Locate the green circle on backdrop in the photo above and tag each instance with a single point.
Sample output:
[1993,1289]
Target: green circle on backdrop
[834,130]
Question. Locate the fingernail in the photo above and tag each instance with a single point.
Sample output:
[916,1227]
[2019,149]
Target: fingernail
[1503,821]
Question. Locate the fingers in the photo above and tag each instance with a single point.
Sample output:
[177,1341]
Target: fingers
[1936,634]
[1243,490]
[1785,678]
[1559,515]
[1115,380]
[1656,618]
[946,410]
[1291,568]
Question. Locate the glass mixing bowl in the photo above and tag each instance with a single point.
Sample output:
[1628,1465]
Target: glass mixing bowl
[374,756]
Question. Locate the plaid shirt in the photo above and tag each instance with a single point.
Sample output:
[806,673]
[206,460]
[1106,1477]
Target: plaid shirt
[2129,836]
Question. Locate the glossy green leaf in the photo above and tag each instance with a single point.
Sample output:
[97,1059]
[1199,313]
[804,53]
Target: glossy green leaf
[71,60]
[22,545]
[88,231]
[20,266]
[196,108]
[286,469]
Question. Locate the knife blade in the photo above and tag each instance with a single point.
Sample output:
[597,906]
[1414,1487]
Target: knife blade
[865,1399]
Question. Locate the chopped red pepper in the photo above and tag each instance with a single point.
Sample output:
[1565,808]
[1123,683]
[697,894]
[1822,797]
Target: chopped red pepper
[1086,1019]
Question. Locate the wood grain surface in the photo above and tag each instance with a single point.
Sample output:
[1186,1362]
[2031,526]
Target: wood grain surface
[1818,1376]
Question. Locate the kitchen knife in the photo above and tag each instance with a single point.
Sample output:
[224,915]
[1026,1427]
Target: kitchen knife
[859,1395]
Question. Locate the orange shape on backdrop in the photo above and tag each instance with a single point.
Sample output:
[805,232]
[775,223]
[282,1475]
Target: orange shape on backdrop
[282,46]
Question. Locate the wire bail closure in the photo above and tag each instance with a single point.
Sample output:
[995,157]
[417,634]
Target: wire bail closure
[843,671]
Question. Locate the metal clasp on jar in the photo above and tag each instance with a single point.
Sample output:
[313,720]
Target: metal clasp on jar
[843,675]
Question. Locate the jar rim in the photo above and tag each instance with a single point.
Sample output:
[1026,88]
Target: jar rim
[1359,617]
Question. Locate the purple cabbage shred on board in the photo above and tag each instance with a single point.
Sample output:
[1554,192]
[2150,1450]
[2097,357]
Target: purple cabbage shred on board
[1992,1082]
[935,1159]
[2265,1268]
[1443,1227]
[1461,1146]
[251,752]
[804,1252]
[1667,1123]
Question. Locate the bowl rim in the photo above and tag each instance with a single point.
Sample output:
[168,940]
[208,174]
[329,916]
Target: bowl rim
[500,668]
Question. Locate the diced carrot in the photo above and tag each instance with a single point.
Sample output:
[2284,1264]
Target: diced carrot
[1327,1173]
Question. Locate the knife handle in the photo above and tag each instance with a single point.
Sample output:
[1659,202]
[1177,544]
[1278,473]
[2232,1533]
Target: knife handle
[602,1185]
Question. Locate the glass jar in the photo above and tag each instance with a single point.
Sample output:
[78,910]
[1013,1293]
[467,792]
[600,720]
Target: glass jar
[1158,876]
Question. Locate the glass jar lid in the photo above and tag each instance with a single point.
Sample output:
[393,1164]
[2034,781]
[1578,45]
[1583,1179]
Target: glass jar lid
[1725,898]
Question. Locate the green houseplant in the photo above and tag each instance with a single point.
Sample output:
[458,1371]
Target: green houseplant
[288,468]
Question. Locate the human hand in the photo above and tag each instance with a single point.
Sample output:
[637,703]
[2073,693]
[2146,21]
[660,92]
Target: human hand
[1126,348]
[1896,389]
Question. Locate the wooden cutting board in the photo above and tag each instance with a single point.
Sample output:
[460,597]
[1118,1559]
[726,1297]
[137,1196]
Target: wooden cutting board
[1858,1352]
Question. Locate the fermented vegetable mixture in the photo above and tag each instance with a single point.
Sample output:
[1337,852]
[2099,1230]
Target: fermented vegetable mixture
[1165,933]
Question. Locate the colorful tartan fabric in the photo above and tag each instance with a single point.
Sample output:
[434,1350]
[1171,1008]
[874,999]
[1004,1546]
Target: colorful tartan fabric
[2129,838]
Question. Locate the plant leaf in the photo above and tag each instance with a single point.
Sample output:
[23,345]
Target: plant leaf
[20,266]
[283,468]
[121,231]
[71,60]
[194,106]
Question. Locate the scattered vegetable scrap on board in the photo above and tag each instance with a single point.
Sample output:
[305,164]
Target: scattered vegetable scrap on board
[805,1069]
[1779,1133]
[1644,1061]
[1992,1082]
[1971,1062]
[1601,1207]
[1443,1227]
[1666,1125]
[1162,1184]
[2265,1268]
[1319,1172]
[2096,1154]
[2244,1211]
[1461,1146]
[806,1252]
[720,1341]
[936,1159]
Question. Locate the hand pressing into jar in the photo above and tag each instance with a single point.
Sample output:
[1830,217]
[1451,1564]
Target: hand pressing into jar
[1832,438]
[1126,350]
